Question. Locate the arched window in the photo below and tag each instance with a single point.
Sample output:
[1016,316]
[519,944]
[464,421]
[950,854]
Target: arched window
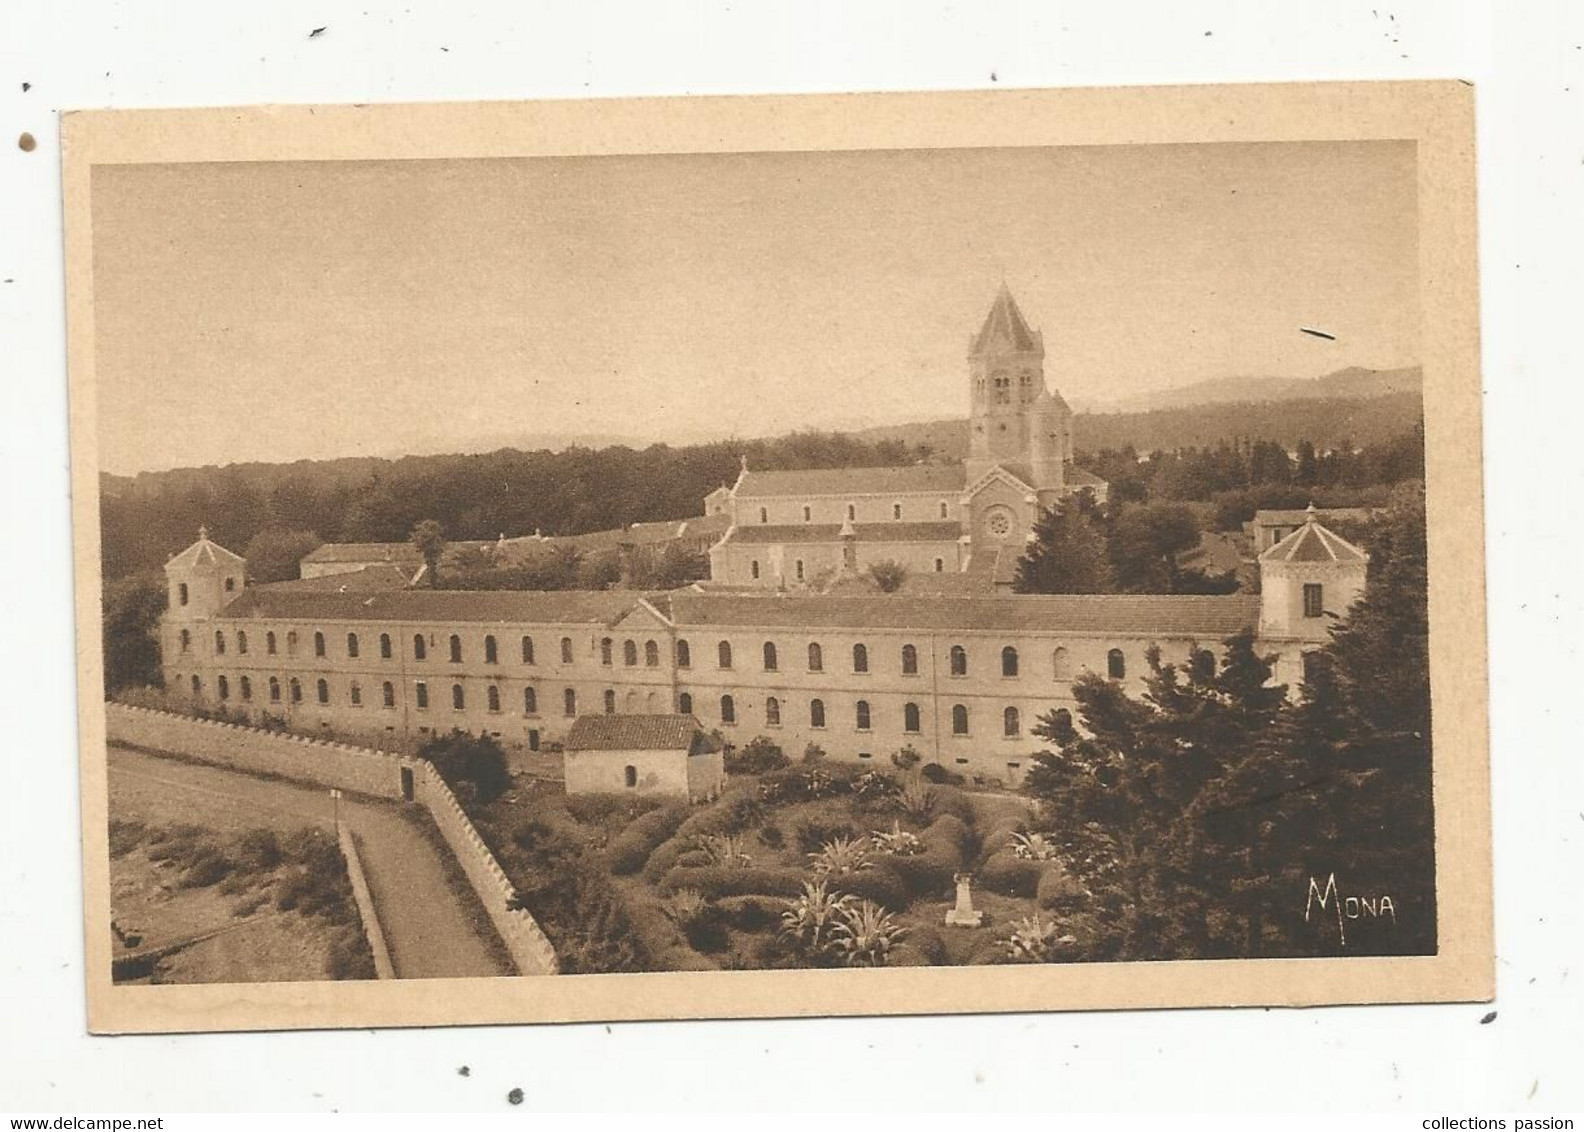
[566,650]
[269,642]
[388,694]
[458,698]
[242,640]
[1311,666]
[1116,664]
[610,701]
[197,687]
[186,640]
[323,687]
[319,643]
[291,642]
[651,654]
[816,657]
[245,685]
[223,686]
[419,648]
[1061,724]
[385,646]
[808,513]
[219,643]
[769,656]
[1011,722]
[421,695]
[910,719]
[959,661]
[352,645]
[909,660]
[944,514]
[230,585]
[728,710]
[456,649]
[527,650]
[569,701]
[685,703]
[940,565]
[606,645]
[491,650]
[723,654]
[773,711]
[764,515]
[816,713]
[356,694]
[684,655]
[852,513]
[896,510]
[1061,666]
[860,658]
[630,776]
[274,690]
[629,653]
[861,715]
[181,593]
[1009,661]
[959,719]
[798,565]
[753,568]
[492,698]
[530,701]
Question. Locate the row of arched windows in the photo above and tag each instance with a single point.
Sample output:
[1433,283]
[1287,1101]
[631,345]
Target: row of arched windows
[651,652]
[863,714]
[943,509]
[957,659]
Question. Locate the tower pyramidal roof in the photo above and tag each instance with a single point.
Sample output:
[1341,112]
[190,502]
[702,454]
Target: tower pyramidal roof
[1005,329]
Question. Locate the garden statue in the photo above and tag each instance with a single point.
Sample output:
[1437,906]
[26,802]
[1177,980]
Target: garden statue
[964,915]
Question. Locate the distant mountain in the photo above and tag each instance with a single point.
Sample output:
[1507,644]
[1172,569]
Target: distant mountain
[1326,422]
[1356,381]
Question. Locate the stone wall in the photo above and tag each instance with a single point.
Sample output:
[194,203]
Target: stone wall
[372,931]
[359,769]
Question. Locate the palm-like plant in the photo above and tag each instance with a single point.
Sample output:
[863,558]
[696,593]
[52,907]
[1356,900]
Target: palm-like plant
[726,849]
[898,843]
[1034,847]
[1033,939]
[685,906]
[865,935]
[840,856]
[917,799]
[810,918]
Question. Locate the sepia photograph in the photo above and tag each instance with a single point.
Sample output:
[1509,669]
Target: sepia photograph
[921,553]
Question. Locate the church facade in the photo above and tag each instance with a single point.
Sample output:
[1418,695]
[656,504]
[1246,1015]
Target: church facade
[962,680]
[792,530]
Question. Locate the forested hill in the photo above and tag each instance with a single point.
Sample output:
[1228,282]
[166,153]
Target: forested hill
[1327,422]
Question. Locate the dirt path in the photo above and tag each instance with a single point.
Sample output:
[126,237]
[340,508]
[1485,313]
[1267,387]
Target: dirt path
[429,925]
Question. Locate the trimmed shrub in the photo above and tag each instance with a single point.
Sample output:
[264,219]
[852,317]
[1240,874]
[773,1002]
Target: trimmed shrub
[948,834]
[882,884]
[1059,890]
[757,756]
[951,800]
[696,858]
[771,837]
[811,833]
[939,775]
[751,913]
[644,834]
[927,876]
[714,881]
[1009,875]
[604,809]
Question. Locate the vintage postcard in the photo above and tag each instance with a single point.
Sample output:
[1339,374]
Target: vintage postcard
[779,556]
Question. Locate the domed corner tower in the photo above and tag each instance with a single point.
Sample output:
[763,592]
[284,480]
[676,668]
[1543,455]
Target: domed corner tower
[1308,583]
[203,579]
[1014,420]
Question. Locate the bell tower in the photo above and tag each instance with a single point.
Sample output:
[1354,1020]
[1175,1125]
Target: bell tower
[1013,418]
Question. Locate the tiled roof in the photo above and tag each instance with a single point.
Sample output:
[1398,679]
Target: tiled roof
[1314,543]
[1079,477]
[368,579]
[204,553]
[1136,615]
[1004,327]
[402,552]
[1292,518]
[789,533]
[595,607]
[632,733]
[944,478]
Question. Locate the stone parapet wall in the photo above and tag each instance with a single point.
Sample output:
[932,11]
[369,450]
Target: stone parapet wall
[372,931]
[346,767]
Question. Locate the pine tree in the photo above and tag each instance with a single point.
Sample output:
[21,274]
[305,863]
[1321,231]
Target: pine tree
[1068,553]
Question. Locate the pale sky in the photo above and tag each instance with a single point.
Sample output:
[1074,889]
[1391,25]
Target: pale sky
[276,311]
